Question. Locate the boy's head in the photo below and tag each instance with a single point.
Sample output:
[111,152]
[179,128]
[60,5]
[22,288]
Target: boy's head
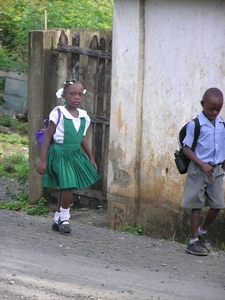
[212,102]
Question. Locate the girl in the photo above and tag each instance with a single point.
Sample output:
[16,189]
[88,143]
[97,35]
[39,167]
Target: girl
[65,165]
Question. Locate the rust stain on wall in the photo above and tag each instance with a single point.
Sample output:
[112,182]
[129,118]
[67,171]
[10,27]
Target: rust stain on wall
[120,123]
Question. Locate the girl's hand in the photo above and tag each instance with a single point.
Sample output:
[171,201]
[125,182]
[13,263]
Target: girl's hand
[41,167]
[93,163]
[87,150]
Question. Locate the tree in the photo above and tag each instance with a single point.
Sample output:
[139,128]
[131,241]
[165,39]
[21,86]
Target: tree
[20,16]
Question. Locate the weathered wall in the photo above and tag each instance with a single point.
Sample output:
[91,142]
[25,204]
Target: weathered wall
[164,57]
[15,94]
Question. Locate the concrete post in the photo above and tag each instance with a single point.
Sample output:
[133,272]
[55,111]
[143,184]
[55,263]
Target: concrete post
[125,122]
[41,98]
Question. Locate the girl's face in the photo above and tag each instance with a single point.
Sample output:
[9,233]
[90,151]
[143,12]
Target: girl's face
[211,107]
[74,95]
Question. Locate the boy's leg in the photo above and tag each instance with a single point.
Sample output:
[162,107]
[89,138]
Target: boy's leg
[202,230]
[195,219]
[194,247]
[210,217]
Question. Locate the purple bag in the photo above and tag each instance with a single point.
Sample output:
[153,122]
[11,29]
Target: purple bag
[40,133]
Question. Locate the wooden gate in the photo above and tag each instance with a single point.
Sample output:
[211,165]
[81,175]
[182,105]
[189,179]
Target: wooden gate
[92,66]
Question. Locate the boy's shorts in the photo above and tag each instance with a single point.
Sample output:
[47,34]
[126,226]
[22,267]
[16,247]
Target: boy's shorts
[201,190]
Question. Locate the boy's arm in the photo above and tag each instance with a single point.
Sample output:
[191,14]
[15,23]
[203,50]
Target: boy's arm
[204,166]
[223,166]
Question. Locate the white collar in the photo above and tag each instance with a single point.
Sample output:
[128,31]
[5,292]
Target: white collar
[67,114]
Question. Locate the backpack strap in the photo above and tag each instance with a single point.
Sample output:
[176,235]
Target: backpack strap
[196,133]
[45,121]
[59,115]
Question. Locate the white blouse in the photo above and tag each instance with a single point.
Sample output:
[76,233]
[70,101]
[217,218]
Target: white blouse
[59,133]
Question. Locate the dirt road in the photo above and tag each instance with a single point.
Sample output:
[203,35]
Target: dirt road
[99,264]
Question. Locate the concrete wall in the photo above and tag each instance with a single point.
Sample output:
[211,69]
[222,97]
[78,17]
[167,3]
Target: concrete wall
[15,94]
[165,55]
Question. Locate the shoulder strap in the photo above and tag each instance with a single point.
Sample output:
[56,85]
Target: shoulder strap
[196,133]
[59,115]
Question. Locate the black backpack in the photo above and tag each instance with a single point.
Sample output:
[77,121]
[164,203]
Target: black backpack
[181,160]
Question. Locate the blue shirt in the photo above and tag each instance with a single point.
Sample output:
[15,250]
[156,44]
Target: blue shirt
[210,146]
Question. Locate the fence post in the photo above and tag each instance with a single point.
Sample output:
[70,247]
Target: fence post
[41,90]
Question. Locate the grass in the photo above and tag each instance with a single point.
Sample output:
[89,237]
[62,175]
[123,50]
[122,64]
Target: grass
[14,124]
[14,165]
[38,209]
[136,230]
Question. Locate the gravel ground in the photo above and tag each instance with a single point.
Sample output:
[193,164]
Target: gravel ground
[8,188]
[97,263]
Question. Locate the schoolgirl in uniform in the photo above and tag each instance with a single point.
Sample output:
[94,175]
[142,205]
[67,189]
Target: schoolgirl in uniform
[64,165]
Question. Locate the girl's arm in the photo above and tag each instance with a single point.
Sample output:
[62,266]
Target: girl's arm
[87,150]
[48,135]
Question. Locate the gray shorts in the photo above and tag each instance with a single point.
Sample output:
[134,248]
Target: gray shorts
[201,190]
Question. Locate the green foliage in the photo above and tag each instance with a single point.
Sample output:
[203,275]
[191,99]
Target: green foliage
[21,204]
[2,84]
[13,205]
[21,16]
[136,230]
[14,138]
[15,165]
[38,209]
[14,124]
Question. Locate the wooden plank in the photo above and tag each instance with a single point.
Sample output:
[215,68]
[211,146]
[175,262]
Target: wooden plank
[99,133]
[13,75]
[91,194]
[99,119]
[84,51]
[87,193]
[75,58]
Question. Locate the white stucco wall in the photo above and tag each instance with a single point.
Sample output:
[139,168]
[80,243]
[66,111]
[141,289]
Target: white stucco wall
[165,55]
[184,56]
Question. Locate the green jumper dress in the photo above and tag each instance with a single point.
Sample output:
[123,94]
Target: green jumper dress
[67,165]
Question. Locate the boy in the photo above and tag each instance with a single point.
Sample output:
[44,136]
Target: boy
[204,182]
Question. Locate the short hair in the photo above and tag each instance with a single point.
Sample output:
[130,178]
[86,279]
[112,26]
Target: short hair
[212,92]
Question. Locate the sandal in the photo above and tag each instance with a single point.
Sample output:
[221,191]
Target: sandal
[55,226]
[64,228]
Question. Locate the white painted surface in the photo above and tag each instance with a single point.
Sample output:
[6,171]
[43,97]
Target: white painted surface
[184,55]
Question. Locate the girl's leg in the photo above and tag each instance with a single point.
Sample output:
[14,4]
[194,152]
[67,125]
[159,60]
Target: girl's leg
[64,216]
[59,202]
[66,196]
[57,213]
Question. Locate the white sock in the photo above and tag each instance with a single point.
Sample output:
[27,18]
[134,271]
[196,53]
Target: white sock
[56,217]
[201,231]
[192,240]
[64,215]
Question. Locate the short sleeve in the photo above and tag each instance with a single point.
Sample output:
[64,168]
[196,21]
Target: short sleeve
[54,115]
[88,122]
[189,138]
